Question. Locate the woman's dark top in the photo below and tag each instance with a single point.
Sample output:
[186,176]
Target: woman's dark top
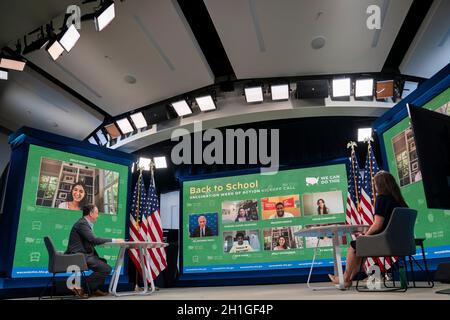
[384,205]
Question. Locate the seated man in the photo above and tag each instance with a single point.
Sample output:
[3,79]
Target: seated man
[83,240]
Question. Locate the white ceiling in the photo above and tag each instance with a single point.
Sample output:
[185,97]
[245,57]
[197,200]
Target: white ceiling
[151,41]
[430,50]
[19,17]
[267,38]
[148,40]
[28,99]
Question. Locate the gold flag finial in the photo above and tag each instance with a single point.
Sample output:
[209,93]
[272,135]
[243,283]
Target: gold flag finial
[368,139]
[351,144]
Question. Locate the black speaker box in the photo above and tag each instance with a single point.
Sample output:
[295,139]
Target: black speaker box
[312,89]
[442,273]
[156,114]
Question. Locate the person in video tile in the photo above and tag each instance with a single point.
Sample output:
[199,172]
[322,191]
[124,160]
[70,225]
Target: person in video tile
[239,245]
[281,244]
[242,216]
[202,230]
[280,212]
[321,207]
[77,198]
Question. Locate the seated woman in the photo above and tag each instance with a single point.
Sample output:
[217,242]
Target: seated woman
[281,244]
[388,198]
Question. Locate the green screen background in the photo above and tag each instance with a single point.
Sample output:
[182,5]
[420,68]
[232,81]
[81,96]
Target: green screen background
[432,224]
[210,251]
[36,222]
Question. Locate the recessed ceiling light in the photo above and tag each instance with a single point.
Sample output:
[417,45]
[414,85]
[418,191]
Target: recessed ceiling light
[318,43]
[130,79]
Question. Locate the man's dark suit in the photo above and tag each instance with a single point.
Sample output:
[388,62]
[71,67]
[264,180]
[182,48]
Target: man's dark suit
[196,233]
[83,240]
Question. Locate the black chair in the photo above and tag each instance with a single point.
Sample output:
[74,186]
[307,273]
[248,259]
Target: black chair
[58,262]
[397,240]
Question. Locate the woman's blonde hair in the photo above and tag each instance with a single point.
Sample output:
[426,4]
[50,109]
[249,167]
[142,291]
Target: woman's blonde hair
[386,185]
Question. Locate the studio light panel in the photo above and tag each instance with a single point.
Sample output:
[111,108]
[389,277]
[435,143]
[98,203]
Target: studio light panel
[253,94]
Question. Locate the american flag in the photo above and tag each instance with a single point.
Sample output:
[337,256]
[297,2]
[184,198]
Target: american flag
[354,183]
[368,196]
[138,223]
[155,232]
[353,210]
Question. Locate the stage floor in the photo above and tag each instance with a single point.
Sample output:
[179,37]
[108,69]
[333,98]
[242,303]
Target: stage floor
[285,292]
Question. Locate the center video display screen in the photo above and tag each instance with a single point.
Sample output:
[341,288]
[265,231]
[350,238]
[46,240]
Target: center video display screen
[248,222]
[57,185]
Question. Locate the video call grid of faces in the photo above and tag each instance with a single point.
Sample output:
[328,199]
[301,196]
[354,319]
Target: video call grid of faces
[247,239]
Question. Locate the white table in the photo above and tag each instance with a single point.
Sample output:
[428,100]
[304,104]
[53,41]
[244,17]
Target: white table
[335,232]
[143,252]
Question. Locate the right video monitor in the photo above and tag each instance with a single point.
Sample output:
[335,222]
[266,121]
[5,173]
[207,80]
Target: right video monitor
[404,163]
[249,222]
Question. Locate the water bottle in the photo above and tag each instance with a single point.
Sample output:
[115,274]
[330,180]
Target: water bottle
[403,281]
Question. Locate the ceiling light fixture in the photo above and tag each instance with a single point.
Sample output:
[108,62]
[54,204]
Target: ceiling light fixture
[280,92]
[181,108]
[69,37]
[160,162]
[104,15]
[364,133]
[341,87]
[3,75]
[364,88]
[125,125]
[253,94]
[12,63]
[206,103]
[139,120]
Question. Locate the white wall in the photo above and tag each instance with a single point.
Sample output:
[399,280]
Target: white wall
[170,210]
[5,151]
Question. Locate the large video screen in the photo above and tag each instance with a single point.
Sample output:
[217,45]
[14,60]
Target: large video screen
[248,222]
[432,224]
[57,186]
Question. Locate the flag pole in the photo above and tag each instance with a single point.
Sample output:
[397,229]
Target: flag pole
[352,145]
[152,171]
[369,149]
[136,287]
